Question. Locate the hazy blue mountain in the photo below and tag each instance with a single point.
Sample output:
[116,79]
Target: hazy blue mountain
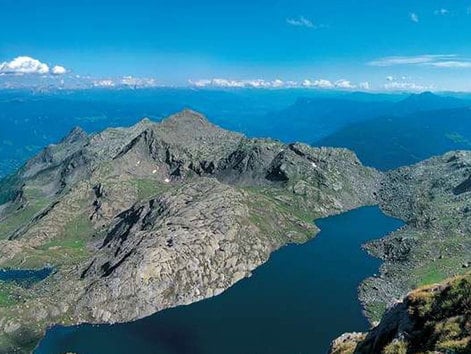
[311,119]
[427,101]
[388,142]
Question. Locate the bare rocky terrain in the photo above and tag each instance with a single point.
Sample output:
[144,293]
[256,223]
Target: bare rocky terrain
[136,220]
[434,199]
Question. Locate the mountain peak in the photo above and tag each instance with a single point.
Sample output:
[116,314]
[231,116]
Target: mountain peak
[426,93]
[187,116]
[76,134]
[422,95]
[189,124]
[428,101]
[144,122]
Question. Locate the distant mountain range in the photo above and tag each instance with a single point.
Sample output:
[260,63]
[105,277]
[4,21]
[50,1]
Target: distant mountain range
[391,141]
[312,119]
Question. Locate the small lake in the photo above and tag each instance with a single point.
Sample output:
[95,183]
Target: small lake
[297,302]
[24,276]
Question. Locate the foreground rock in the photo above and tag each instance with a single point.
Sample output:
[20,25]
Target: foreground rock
[432,319]
[135,220]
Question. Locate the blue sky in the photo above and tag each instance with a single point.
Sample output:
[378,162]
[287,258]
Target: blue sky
[400,44]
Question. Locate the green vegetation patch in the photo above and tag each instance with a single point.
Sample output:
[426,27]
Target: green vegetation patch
[8,187]
[70,248]
[73,243]
[274,218]
[147,188]
[436,271]
[6,299]
[10,294]
[445,313]
[20,216]
[375,310]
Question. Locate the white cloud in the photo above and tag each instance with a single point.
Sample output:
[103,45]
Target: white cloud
[321,83]
[261,83]
[200,83]
[462,64]
[23,65]
[405,86]
[137,81]
[364,85]
[300,22]
[344,84]
[255,83]
[58,70]
[414,17]
[104,83]
[441,12]
[411,60]
[130,81]
[390,78]
[437,61]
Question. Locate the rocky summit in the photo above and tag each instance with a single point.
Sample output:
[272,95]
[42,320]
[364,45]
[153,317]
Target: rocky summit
[135,220]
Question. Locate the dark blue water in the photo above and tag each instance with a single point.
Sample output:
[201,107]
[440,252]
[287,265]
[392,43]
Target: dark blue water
[24,276]
[297,302]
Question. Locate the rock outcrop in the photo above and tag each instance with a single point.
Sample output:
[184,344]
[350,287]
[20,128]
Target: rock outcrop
[431,319]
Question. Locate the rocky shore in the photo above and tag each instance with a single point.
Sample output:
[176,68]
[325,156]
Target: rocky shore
[432,198]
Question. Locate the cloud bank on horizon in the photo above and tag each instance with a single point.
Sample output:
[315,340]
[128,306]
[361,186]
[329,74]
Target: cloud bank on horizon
[393,84]
[278,83]
[27,66]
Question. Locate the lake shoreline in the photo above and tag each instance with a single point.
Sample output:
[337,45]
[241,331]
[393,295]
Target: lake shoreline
[273,277]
